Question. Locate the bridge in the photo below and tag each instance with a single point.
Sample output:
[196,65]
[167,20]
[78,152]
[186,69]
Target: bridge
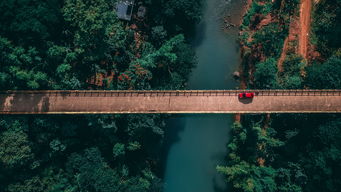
[189,101]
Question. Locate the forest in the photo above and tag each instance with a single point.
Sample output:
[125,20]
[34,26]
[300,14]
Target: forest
[287,152]
[81,44]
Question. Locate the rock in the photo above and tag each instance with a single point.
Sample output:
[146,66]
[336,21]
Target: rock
[236,75]
[229,25]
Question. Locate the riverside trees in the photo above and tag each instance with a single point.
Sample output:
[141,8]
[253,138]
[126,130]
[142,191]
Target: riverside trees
[288,152]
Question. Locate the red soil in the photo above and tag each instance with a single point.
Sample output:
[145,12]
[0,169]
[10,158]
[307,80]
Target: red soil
[305,19]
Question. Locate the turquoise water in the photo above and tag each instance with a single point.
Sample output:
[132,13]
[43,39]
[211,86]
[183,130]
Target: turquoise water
[199,141]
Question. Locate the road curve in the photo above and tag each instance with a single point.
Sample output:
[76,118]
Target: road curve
[190,101]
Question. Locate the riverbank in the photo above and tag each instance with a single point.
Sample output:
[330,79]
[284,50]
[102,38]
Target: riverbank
[288,44]
[242,80]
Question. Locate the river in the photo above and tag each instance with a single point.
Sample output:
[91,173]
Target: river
[197,143]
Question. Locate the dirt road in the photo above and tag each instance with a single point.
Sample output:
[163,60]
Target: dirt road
[305,18]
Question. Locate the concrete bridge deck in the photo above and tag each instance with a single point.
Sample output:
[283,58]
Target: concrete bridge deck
[190,101]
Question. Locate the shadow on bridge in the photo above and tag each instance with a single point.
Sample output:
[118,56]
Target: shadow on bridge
[19,102]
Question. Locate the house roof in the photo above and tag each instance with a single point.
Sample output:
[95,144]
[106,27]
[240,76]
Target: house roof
[124,9]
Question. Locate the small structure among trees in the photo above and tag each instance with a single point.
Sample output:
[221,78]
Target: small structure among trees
[124,9]
[141,11]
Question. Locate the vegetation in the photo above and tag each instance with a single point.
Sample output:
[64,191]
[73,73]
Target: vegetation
[301,155]
[263,31]
[326,27]
[292,152]
[326,75]
[265,74]
[325,34]
[80,44]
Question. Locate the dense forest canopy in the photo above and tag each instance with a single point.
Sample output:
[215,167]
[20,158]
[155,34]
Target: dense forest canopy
[61,45]
[81,44]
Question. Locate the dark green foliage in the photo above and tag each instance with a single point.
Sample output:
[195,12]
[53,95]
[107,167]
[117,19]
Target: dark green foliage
[253,15]
[292,82]
[303,154]
[307,158]
[250,178]
[63,45]
[175,15]
[93,174]
[21,68]
[118,151]
[251,153]
[326,75]
[263,31]
[265,75]
[323,160]
[285,9]
[29,22]
[270,38]
[34,184]
[290,77]
[89,40]
[293,64]
[188,9]
[326,27]
[15,149]
[315,148]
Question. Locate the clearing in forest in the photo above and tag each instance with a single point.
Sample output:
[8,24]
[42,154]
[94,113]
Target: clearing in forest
[298,30]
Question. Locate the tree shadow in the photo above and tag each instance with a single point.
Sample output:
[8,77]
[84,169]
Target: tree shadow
[17,102]
[3,97]
[174,125]
[200,34]
[45,104]
[217,187]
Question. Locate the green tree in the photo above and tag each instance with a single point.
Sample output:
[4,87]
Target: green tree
[270,39]
[326,75]
[265,75]
[15,149]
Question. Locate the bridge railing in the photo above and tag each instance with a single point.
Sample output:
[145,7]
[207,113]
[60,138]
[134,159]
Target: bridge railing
[168,93]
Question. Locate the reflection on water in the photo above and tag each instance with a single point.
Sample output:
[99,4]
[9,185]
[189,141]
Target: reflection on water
[200,140]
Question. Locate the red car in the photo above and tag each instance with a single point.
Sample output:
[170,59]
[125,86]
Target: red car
[246,95]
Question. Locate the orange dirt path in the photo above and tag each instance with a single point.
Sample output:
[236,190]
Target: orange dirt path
[305,19]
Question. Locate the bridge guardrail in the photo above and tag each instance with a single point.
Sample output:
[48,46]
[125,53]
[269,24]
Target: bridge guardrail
[151,93]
